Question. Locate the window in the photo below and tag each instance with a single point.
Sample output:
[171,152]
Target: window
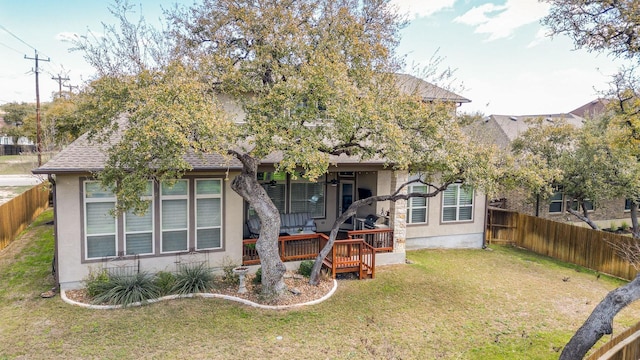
[99,224]
[307,197]
[555,202]
[138,229]
[174,204]
[275,184]
[208,214]
[457,204]
[575,205]
[627,204]
[417,206]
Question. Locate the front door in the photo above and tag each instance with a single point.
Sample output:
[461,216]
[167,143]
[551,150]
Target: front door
[346,199]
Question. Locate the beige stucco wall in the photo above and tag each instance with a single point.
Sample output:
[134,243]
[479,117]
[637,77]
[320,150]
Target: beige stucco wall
[72,270]
[436,234]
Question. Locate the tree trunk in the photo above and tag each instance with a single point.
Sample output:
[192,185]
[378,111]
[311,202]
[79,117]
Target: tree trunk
[246,185]
[635,230]
[600,322]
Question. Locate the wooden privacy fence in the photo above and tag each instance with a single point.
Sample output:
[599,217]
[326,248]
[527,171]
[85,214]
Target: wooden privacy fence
[625,346]
[19,212]
[574,244]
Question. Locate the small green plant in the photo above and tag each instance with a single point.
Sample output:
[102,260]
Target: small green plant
[613,226]
[257,279]
[165,282]
[193,279]
[228,277]
[305,268]
[624,226]
[96,282]
[127,289]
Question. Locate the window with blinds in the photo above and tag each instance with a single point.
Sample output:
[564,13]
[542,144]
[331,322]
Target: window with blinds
[457,204]
[417,206]
[138,229]
[99,224]
[307,197]
[174,210]
[208,199]
[555,202]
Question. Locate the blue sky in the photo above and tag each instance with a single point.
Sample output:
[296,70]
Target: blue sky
[502,60]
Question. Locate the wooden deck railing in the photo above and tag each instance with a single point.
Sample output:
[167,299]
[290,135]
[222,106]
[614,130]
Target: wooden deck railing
[379,239]
[351,255]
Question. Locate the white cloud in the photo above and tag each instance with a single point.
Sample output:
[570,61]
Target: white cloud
[541,35]
[500,21]
[415,9]
[67,36]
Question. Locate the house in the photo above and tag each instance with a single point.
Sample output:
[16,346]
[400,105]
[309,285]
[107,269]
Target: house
[201,218]
[502,130]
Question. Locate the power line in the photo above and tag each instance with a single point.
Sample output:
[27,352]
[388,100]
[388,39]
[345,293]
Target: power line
[16,36]
[10,48]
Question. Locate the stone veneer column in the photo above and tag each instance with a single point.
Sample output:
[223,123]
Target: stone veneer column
[398,213]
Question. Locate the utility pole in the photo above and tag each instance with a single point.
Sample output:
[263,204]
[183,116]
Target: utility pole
[38,131]
[71,87]
[60,79]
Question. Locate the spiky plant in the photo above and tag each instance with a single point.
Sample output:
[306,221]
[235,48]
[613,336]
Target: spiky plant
[193,279]
[127,289]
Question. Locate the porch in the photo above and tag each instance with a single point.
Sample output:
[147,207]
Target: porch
[356,254]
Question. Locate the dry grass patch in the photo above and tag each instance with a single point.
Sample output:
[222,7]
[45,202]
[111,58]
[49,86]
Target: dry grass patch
[459,304]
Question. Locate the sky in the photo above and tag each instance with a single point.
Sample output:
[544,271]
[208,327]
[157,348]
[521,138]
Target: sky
[499,55]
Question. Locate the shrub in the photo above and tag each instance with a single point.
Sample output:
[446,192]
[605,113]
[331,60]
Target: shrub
[624,226]
[613,226]
[305,268]
[229,278]
[164,281]
[96,282]
[127,289]
[257,279]
[193,279]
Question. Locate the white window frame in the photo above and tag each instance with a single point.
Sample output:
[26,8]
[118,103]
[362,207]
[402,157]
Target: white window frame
[87,200]
[411,208]
[151,211]
[457,205]
[557,201]
[162,230]
[209,196]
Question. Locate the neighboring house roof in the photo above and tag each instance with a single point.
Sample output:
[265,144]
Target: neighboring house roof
[503,129]
[428,92]
[591,108]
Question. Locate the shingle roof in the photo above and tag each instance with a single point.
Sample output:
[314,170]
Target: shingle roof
[592,108]
[84,155]
[503,129]
[428,91]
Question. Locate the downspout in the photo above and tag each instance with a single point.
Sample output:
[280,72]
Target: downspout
[54,264]
[486,222]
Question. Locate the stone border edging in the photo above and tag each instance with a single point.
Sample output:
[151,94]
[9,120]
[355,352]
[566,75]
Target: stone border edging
[64,297]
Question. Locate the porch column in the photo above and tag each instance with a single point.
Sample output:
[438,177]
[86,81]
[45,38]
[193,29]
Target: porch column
[398,213]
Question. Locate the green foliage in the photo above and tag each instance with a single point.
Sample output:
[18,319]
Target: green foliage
[165,282]
[96,282]
[624,226]
[305,268]
[193,279]
[257,278]
[228,277]
[126,289]
[613,226]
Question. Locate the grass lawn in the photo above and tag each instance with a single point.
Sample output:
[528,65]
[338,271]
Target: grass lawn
[457,304]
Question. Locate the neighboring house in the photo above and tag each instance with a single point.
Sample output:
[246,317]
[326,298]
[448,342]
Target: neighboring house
[503,129]
[202,218]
